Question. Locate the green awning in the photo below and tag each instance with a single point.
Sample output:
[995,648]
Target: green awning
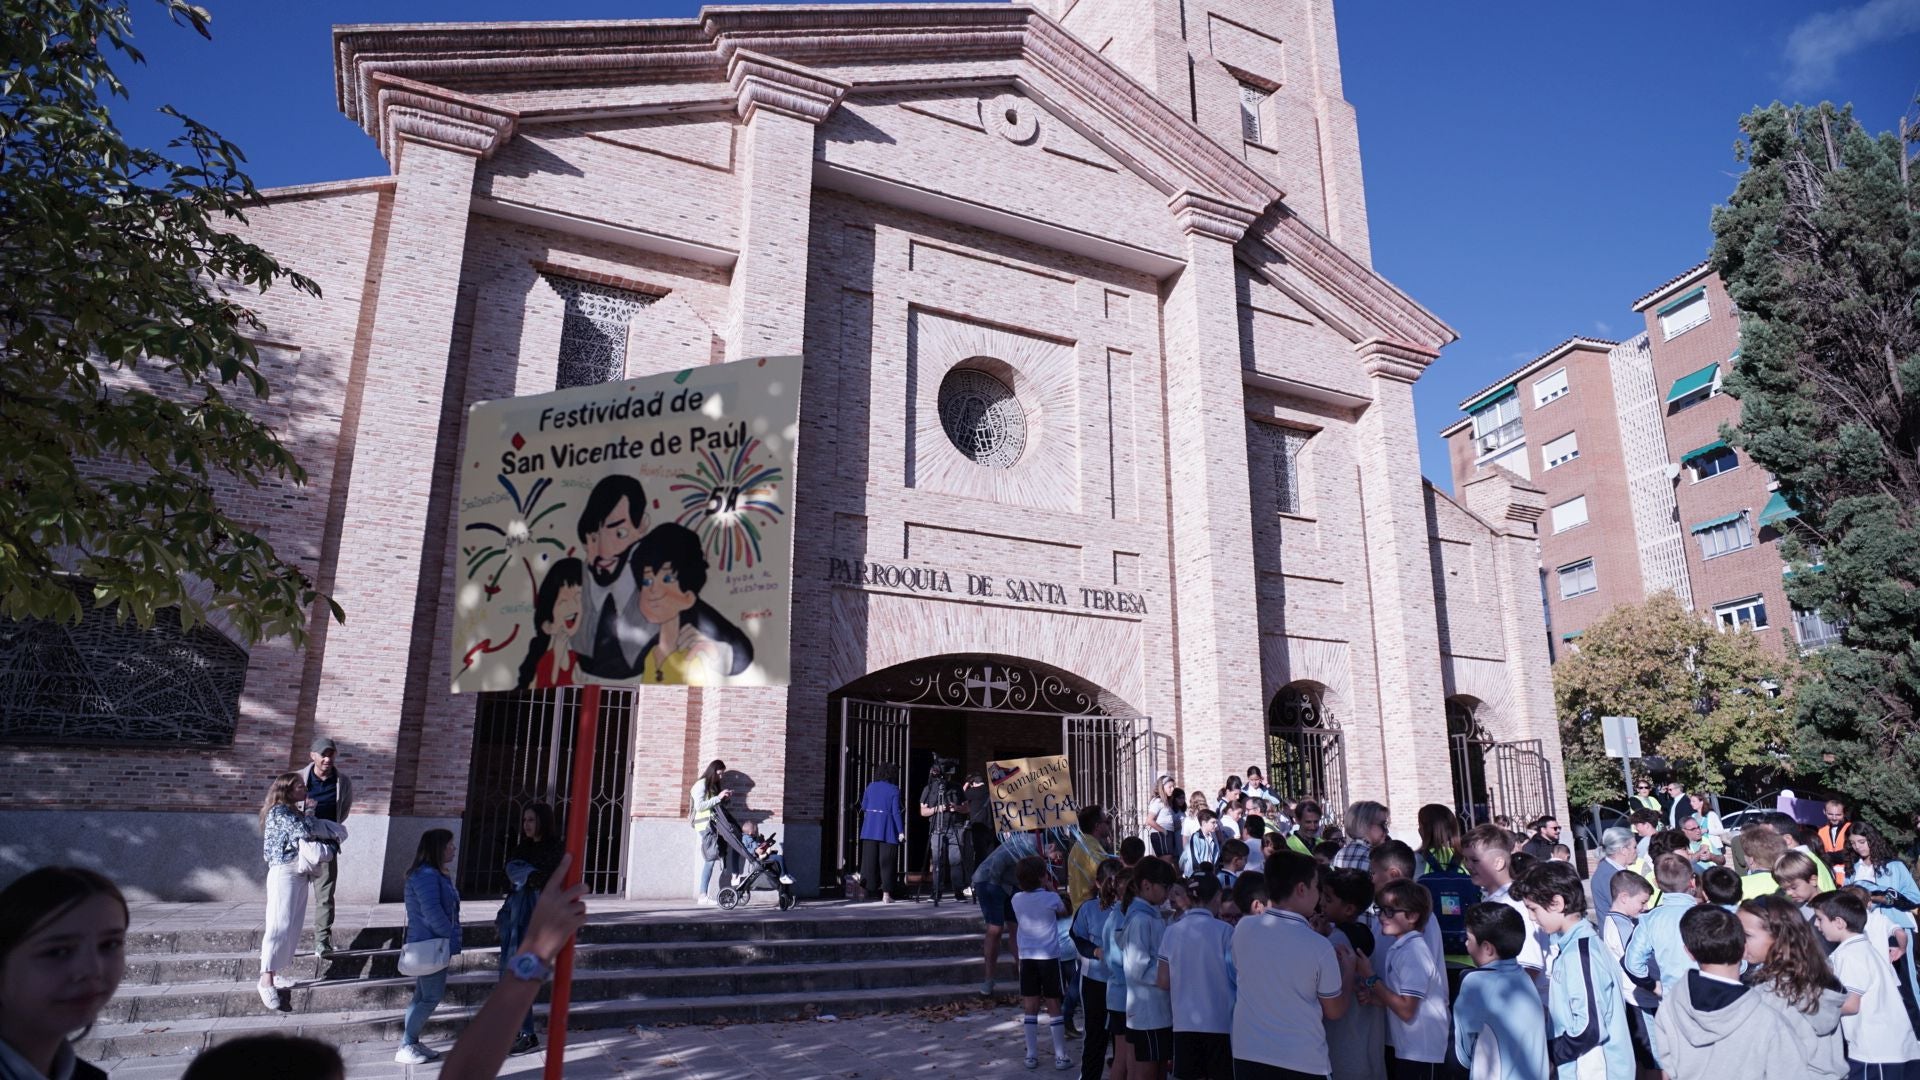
[1777,511]
[1814,569]
[1680,301]
[1694,383]
[1714,522]
[1571,636]
[1490,397]
[1703,451]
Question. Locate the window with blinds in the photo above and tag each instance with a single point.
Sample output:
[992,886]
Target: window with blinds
[1549,387]
[1560,451]
[1570,513]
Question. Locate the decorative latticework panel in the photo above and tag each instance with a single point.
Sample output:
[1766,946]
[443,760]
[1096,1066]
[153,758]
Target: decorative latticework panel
[107,681]
[593,336]
[983,418]
[1643,451]
[1284,447]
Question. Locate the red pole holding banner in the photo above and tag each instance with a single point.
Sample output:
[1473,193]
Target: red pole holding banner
[579,794]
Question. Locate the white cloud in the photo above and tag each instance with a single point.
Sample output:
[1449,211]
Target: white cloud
[1817,45]
[1602,327]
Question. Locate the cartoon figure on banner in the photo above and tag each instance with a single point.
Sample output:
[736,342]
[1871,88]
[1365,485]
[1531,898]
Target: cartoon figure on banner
[694,644]
[625,613]
[550,658]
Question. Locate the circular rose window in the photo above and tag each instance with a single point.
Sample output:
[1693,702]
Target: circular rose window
[982,417]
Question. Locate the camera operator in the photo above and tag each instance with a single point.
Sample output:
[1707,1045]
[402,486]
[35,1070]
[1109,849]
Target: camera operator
[979,835]
[943,802]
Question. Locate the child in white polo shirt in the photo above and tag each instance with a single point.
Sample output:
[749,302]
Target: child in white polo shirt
[1290,979]
[1880,1040]
[1035,909]
[1412,987]
[1196,968]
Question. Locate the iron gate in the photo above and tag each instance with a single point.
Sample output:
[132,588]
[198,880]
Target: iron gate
[1308,763]
[523,753]
[872,734]
[1470,797]
[1522,781]
[1113,759]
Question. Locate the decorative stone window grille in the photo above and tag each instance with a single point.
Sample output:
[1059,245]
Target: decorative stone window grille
[1251,98]
[107,681]
[593,336]
[982,418]
[1285,446]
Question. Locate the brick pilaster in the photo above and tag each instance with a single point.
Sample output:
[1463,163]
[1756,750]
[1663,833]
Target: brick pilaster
[435,141]
[1220,712]
[1400,580]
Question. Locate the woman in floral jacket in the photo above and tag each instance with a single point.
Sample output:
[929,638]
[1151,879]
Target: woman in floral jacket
[284,822]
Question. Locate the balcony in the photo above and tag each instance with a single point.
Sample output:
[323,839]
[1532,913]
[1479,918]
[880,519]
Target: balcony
[1513,431]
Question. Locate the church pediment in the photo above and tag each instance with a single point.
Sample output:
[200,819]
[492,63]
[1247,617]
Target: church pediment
[1098,131]
[1002,151]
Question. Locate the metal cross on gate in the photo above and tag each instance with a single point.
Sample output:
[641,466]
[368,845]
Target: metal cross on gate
[987,684]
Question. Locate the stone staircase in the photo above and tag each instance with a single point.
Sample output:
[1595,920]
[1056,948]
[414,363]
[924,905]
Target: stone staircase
[186,989]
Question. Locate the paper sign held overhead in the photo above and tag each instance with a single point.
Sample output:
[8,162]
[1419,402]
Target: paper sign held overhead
[1032,793]
[630,533]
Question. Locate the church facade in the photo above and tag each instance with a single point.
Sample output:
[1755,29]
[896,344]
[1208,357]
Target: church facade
[1107,438]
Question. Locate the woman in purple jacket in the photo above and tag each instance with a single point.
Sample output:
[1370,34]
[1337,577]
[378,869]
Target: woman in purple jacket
[883,828]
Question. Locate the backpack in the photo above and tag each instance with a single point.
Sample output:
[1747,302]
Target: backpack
[1453,893]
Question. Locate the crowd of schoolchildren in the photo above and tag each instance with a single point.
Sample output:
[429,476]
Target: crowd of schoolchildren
[1235,937]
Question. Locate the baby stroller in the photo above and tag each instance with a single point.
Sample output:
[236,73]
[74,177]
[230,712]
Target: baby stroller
[738,893]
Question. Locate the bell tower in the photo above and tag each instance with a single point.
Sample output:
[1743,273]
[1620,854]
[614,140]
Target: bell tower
[1261,77]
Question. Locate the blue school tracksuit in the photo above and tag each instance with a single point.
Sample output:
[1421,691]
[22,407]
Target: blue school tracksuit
[1587,1002]
[1500,1001]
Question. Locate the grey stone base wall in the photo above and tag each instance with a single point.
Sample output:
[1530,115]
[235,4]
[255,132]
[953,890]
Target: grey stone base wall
[193,855]
[663,857]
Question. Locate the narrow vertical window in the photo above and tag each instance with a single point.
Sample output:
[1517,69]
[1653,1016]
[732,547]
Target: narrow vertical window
[593,335]
[1251,98]
[1288,445]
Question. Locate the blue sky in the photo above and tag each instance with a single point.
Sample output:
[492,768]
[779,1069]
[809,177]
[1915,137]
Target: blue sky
[1531,169]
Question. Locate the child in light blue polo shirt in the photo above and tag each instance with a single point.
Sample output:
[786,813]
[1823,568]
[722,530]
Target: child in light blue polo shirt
[1498,1017]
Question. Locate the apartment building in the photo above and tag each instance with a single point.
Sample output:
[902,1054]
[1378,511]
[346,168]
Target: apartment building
[1644,494]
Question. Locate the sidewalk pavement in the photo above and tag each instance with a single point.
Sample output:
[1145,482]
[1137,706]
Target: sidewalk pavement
[969,1041]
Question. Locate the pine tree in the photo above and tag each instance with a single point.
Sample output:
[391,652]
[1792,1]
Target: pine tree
[1819,247]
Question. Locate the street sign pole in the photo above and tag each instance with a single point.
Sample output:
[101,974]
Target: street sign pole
[1622,737]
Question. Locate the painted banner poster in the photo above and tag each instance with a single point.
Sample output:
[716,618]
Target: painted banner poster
[630,532]
[1032,793]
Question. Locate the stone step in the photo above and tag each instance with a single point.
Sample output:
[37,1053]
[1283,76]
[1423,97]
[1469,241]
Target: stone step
[135,1040]
[149,969]
[166,1003]
[760,922]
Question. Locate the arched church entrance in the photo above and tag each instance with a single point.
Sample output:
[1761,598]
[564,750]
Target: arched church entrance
[972,709]
[1491,778]
[1306,754]
[1468,743]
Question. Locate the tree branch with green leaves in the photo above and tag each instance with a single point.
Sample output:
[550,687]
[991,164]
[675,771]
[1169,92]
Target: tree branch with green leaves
[131,375]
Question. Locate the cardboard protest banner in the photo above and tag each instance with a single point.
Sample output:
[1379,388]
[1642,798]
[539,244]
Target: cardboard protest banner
[630,532]
[1032,793]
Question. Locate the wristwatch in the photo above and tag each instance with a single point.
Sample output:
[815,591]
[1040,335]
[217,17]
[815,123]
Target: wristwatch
[529,968]
[1367,983]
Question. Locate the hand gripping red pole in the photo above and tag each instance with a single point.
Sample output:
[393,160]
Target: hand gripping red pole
[579,794]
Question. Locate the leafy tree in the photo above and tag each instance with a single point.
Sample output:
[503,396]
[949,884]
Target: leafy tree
[1706,699]
[1820,248]
[125,368]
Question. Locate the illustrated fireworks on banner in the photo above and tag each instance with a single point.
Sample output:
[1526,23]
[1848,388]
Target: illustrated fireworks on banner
[493,558]
[728,502]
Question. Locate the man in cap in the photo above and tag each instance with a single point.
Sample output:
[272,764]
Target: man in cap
[332,796]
